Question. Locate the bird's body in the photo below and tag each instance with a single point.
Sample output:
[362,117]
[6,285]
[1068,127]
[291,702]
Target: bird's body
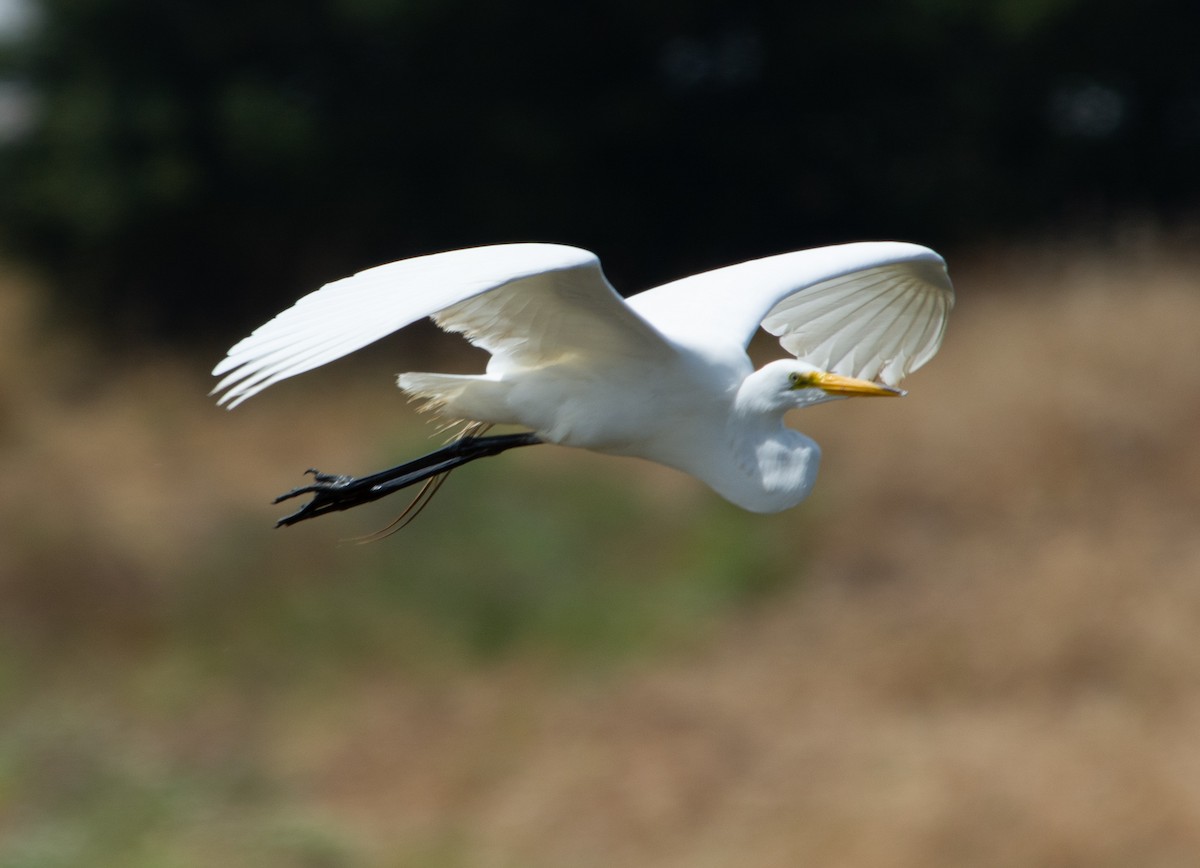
[662,376]
[739,447]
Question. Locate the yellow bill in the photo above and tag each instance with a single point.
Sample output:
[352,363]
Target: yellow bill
[836,384]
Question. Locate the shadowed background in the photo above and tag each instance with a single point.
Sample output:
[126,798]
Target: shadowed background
[974,645]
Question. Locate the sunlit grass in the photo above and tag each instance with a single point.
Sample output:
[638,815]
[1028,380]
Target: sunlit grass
[991,592]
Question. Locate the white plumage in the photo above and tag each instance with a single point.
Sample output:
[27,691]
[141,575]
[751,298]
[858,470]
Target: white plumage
[663,375]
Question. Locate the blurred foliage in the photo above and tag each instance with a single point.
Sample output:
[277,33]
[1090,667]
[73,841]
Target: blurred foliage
[590,586]
[188,161]
[159,641]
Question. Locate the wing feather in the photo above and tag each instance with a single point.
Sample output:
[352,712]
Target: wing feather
[860,337]
[525,303]
[873,310]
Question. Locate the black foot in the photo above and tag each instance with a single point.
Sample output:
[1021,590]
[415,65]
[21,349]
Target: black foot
[330,493]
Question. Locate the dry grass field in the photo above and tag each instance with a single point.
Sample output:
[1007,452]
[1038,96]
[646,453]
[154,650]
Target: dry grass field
[977,644]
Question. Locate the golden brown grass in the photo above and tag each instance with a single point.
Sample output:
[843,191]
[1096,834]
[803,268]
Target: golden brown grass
[982,649]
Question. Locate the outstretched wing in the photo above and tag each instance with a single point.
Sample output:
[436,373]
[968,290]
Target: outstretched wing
[872,310]
[527,304]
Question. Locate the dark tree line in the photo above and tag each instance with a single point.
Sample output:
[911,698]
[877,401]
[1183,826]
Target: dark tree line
[190,160]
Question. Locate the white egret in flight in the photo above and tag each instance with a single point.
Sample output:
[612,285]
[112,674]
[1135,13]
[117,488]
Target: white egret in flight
[662,375]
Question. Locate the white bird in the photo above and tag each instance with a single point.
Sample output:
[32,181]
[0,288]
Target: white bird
[663,375]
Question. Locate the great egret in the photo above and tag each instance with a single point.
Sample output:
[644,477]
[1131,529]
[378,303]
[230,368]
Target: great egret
[663,375]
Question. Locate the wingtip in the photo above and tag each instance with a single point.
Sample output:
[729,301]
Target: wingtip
[229,397]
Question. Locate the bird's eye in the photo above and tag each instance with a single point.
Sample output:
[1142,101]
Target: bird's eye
[798,379]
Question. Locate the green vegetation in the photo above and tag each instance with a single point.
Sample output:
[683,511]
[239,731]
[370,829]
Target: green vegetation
[183,155]
[508,559]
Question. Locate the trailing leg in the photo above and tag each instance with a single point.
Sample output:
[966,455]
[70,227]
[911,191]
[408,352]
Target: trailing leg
[333,493]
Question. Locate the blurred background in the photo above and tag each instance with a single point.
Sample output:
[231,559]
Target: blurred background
[976,644]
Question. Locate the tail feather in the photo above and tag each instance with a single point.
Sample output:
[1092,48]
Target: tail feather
[467,397]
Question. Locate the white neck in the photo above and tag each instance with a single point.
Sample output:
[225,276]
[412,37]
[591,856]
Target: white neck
[742,449]
[754,460]
[774,466]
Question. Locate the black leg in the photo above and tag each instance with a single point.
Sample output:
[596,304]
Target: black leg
[333,493]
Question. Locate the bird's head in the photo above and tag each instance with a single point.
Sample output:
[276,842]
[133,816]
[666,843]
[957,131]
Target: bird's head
[791,383]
